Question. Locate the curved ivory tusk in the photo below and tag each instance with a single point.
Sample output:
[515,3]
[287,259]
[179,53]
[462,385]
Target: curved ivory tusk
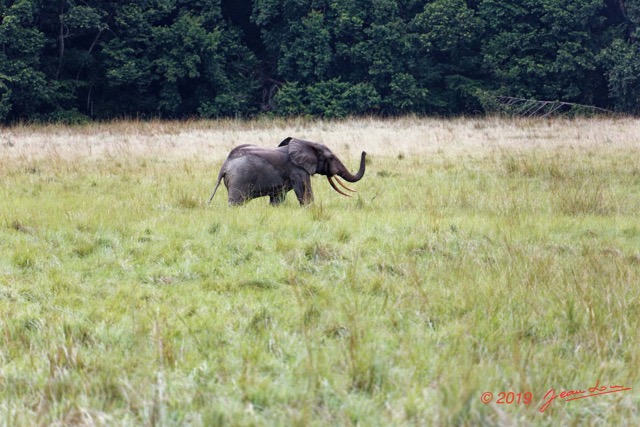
[336,188]
[343,185]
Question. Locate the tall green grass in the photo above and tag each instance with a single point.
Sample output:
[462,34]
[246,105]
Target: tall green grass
[126,300]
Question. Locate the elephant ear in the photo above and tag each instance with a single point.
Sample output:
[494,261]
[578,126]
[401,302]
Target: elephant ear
[285,142]
[304,154]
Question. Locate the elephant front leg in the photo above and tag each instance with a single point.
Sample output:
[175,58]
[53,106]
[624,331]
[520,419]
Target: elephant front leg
[303,191]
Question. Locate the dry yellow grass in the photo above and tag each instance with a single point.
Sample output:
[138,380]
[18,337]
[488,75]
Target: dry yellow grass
[405,136]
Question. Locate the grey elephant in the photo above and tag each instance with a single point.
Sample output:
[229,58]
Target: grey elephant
[251,171]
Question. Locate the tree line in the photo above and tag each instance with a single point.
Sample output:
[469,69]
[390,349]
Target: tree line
[75,60]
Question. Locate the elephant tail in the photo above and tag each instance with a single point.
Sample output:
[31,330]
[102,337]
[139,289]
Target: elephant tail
[220,176]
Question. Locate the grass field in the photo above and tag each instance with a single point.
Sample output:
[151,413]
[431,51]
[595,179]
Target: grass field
[479,255]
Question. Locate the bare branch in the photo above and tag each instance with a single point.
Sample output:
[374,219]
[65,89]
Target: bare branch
[523,107]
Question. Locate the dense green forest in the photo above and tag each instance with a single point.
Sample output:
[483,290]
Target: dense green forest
[73,60]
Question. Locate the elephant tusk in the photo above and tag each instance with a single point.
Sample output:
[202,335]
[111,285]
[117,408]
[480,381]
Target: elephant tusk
[336,188]
[343,185]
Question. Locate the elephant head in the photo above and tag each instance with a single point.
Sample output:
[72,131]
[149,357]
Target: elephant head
[318,158]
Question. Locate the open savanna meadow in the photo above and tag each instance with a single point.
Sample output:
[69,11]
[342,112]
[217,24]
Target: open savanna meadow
[483,267]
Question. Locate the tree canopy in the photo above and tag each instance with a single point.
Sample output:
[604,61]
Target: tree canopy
[73,60]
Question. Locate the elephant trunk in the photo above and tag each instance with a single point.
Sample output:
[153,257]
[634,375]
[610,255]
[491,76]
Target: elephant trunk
[348,176]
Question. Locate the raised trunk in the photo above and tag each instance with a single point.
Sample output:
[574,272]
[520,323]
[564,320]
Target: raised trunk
[344,173]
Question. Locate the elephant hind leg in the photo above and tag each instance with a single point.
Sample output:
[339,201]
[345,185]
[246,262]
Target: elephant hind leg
[236,197]
[277,198]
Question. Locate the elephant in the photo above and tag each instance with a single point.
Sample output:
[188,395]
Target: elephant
[251,171]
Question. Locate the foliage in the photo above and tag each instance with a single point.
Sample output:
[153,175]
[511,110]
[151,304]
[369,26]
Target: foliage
[622,62]
[5,98]
[188,63]
[549,50]
[24,86]
[330,99]
[186,58]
